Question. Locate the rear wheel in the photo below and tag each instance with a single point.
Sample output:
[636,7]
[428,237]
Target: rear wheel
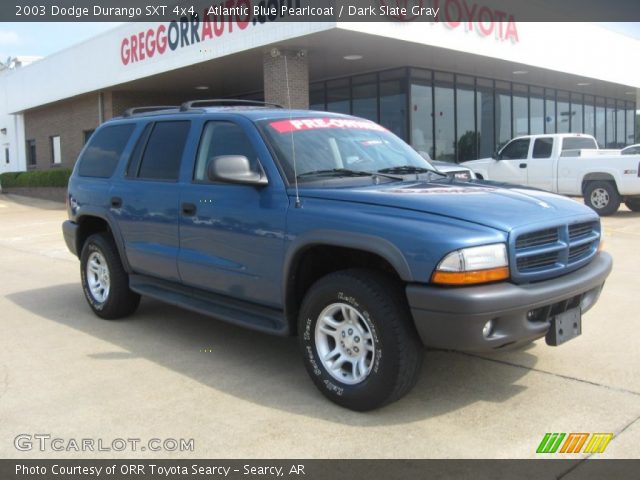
[358,340]
[633,204]
[602,197]
[104,280]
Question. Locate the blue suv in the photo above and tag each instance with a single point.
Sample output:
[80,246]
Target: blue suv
[327,227]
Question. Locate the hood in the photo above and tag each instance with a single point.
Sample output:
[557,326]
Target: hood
[494,205]
[480,161]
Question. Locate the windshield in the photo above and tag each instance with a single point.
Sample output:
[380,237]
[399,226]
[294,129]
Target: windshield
[339,147]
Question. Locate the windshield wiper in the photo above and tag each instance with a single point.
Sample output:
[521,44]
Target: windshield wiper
[345,172]
[408,169]
[338,172]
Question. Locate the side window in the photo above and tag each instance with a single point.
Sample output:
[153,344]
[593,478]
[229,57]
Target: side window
[542,148]
[104,150]
[222,138]
[163,153]
[516,150]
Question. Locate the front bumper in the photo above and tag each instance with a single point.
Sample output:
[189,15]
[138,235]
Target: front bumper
[453,318]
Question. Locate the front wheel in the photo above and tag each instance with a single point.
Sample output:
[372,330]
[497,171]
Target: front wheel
[358,340]
[602,197]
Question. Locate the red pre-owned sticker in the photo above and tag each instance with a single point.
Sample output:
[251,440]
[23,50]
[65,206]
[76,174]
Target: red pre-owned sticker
[296,125]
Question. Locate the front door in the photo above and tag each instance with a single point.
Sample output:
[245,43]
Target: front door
[232,235]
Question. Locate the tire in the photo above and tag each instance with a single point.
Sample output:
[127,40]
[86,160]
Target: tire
[381,355]
[104,280]
[633,204]
[602,197]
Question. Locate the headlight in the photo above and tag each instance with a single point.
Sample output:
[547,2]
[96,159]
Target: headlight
[488,263]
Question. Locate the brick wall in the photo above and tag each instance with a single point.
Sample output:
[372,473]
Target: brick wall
[68,119]
[121,101]
[275,78]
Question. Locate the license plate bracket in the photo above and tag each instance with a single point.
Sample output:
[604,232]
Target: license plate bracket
[564,327]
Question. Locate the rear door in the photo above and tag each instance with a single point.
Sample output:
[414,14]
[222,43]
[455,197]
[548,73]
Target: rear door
[146,202]
[232,235]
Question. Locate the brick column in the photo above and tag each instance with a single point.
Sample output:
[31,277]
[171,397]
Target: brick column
[275,77]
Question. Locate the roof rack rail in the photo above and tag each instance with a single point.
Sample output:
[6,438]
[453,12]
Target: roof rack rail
[226,102]
[137,110]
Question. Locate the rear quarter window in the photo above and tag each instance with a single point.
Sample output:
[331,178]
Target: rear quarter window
[578,143]
[104,150]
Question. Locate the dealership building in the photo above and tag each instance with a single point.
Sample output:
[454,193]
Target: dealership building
[452,88]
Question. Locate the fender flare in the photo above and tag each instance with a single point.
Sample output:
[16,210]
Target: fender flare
[115,232]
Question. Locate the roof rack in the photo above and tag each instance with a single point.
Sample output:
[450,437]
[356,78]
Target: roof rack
[226,102]
[137,110]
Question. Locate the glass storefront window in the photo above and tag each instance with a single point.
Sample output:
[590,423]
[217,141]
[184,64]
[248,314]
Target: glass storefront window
[601,125]
[621,129]
[631,116]
[536,111]
[503,113]
[611,124]
[339,96]
[316,96]
[444,118]
[550,111]
[520,116]
[589,116]
[467,141]
[393,102]
[484,120]
[576,113]
[365,97]
[422,118]
[458,118]
[563,114]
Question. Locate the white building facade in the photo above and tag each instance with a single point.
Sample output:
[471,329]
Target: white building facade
[455,89]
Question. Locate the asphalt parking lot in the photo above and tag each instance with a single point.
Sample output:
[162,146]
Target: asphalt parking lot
[170,374]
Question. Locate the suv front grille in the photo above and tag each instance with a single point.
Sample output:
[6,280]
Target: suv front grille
[541,254]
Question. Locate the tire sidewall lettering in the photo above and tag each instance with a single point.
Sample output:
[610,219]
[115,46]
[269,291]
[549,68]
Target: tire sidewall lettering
[308,336]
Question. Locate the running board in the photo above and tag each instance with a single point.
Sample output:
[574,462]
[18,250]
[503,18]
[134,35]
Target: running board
[236,312]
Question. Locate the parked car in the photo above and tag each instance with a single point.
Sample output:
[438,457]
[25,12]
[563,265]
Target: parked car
[631,150]
[330,228]
[452,170]
[569,164]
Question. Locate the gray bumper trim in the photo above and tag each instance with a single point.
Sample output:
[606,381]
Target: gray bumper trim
[453,318]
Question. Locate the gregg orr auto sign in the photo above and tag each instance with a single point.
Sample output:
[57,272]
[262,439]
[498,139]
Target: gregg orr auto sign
[215,21]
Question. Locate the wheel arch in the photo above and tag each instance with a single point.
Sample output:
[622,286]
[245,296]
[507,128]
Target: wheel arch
[597,177]
[90,223]
[313,256]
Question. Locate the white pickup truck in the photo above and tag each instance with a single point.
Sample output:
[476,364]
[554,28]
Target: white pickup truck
[570,164]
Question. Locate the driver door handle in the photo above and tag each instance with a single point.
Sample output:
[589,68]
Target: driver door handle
[189,209]
[523,165]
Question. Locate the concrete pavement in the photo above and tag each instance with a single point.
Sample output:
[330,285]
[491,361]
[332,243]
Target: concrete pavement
[170,374]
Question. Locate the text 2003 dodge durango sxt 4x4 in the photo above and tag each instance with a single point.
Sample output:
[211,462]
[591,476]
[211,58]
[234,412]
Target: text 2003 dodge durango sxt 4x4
[330,228]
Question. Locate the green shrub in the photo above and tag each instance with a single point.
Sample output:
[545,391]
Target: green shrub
[58,177]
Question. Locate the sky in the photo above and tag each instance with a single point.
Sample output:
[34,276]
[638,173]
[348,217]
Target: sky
[42,39]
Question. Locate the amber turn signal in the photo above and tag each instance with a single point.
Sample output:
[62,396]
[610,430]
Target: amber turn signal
[472,277]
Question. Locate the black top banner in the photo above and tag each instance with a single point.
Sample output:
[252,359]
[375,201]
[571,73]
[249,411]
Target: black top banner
[261,11]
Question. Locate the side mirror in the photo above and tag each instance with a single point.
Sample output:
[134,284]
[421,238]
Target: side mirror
[234,169]
[496,155]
